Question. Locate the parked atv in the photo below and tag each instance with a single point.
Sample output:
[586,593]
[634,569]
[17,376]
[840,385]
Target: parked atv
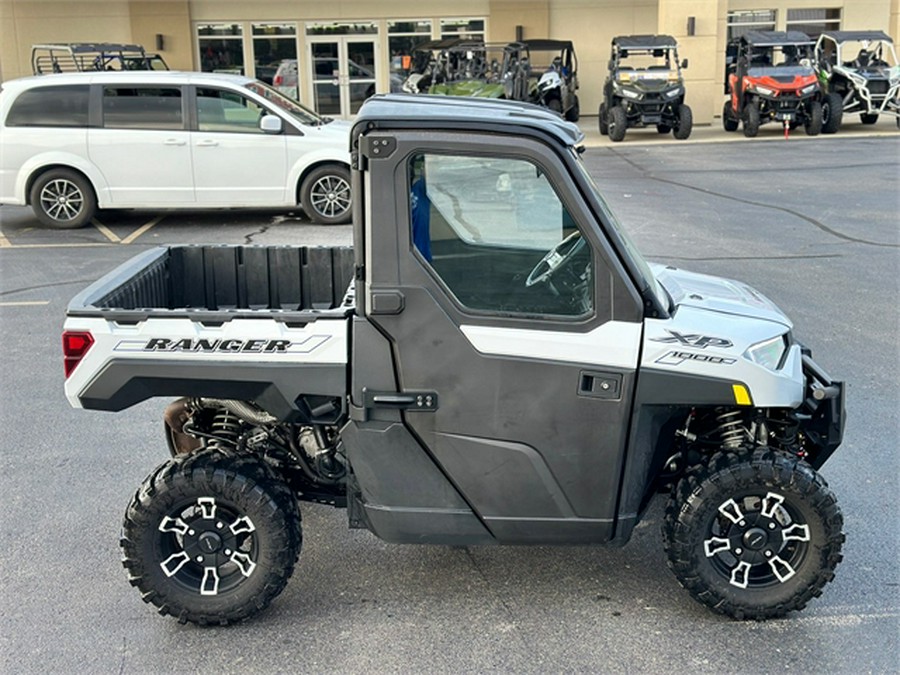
[425,63]
[482,70]
[648,90]
[858,69]
[769,77]
[554,76]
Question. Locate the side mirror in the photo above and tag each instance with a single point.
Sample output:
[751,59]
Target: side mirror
[684,64]
[271,124]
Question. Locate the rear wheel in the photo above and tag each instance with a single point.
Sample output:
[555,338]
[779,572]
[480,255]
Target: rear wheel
[813,124]
[832,113]
[866,118]
[753,536]
[554,105]
[618,123]
[325,195]
[63,199]
[729,121]
[751,119]
[604,122]
[211,538]
[685,123]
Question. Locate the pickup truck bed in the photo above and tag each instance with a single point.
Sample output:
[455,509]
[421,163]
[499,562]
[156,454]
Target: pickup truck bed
[173,320]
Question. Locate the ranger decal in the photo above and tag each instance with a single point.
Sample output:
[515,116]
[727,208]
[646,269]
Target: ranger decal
[225,345]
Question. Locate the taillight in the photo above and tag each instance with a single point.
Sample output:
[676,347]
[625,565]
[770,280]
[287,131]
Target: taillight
[75,345]
[277,80]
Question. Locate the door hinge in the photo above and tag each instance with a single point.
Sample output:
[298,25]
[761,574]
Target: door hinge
[377,147]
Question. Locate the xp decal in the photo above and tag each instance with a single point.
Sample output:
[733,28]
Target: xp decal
[694,340]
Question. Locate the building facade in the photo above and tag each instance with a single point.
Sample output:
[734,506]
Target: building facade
[331,55]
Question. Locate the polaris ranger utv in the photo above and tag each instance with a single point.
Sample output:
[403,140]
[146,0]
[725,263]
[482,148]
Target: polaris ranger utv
[554,76]
[647,90]
[859,69]
[505,369]
[769,77]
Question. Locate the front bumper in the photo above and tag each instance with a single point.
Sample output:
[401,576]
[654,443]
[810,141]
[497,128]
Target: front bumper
[822,415]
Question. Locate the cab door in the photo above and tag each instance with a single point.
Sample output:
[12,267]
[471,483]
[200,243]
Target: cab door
[236,163]
[514,332]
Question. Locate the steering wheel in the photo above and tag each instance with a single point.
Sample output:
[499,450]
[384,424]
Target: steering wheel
[556,257]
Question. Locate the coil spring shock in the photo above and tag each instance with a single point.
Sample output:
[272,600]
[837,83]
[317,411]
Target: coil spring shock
[731,429]
[225,429]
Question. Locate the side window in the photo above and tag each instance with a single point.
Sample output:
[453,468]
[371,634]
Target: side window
[142,108]
[224,110]
[494,230]
[51,107]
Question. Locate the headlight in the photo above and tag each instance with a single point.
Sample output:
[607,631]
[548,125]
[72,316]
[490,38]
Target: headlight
[808,88]
[768,354]
[765,91]
[675,92]
[627,93]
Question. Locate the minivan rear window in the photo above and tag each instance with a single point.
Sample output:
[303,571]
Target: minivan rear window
[142,108]
[54,106]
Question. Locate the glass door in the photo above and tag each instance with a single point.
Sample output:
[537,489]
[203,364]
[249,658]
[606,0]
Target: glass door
[343,73]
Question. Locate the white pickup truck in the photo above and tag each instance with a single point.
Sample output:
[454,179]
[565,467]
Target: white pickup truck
[493,362]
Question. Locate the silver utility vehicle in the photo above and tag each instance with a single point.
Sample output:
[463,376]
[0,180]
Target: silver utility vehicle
[493,362]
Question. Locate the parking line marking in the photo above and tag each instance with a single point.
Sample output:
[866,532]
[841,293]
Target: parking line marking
[141,230]
[4,242]
[94,245]
[25,303]
[105,231]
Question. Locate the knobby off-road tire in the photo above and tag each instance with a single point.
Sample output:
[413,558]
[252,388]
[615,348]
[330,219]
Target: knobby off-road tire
[325,195]
[573,114]
[813,125]
[832,113]
[211,538]
[555,105]
[729,121]
[604,122]
[63,199]
[685,123]
[753,536]
[618,123]
[751,120]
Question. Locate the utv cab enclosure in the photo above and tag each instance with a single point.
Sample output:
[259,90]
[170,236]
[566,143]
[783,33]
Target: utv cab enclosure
[769,77]
[644,87]
[859,69]
[506,369]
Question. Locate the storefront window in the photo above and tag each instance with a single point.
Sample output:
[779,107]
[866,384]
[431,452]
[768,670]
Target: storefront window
[742,21]
[403,36]
[360,28]
[469,29]
[221,48]
[814,22]
[275,56]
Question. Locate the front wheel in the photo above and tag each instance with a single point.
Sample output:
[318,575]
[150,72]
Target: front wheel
[729,121]
[325,195]
[813,124]
[832,113]
[753,537]
[685,123]
[604,122]
[751,119]
[618,123]
[574,113]
[211,538]
[63,199]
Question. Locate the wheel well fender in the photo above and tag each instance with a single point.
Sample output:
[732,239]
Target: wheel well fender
[32,171]
[308,169]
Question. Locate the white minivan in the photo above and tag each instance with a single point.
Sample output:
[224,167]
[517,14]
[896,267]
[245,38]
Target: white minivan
[72,143]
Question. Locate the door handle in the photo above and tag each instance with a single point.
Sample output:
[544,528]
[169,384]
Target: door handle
[600,385]
[208,143]
[174,141]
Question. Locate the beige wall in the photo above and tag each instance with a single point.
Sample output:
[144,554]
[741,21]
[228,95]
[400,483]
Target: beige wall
[171,20]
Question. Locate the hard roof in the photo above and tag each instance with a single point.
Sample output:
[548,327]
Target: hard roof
[774,38]
[548,45]
[644,41]
[460,112]
[84,47]
[857,35]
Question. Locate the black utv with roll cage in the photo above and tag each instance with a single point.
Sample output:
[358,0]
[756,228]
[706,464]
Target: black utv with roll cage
[425,63]
[87,56]
[553,78]
[645,92]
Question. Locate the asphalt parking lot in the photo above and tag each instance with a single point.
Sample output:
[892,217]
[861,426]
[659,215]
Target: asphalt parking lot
[813,223]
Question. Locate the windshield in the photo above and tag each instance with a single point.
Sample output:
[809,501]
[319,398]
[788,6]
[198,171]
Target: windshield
[632,250]
[295,109]
[865,54]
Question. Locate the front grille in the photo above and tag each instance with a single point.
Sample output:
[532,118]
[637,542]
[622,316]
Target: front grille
[878,87]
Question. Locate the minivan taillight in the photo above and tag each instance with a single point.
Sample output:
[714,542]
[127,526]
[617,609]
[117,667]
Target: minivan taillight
[75,345]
